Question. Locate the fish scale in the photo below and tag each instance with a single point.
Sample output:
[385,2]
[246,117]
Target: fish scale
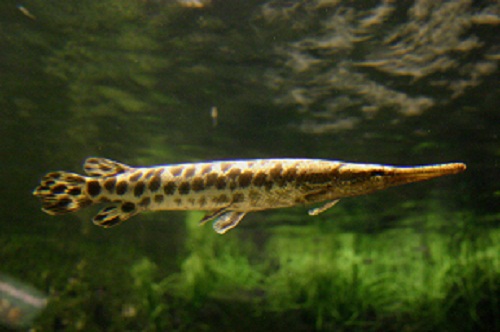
[228,190]
[193,186]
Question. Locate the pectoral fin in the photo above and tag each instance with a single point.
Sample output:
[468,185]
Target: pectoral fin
[212,215]
[323,208]
[228,220]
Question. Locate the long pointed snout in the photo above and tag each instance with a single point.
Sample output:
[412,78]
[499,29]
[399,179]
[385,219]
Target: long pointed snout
[395,176]
[360,179]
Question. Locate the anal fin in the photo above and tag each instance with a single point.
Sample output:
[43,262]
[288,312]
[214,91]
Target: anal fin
[322,208]
[114,215]
[227,221]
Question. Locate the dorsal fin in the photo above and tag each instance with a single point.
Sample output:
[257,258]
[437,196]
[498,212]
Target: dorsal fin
[104,167]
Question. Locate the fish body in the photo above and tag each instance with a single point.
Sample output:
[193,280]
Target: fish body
[226,189]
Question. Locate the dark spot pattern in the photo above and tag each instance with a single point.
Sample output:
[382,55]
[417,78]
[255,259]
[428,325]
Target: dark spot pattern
[221,199]
[211,180]
[202,201]
[111,222]
[178,201]
[189,172]
[245,179]
[109,208]
[300,178]
[135,176]
[159,198]
[225,166]
[197,184]
[169,188]
[191,201]
[62,203]
[59,189]
[145,202]
[184,188]
[206,169]
[75,191]
[99,217]
[377,173]
[121,188]
[105,168]
[276,174]
[128,207]
[290,174]
[75,178]
[234,173]
[276,170]
[155,183]
[259,179]
[139,189]
[316,178]
[110,184]
[238,198]
[93,188]
[233,177]
[149,174]
[176,170]
[53,175]
[221,182]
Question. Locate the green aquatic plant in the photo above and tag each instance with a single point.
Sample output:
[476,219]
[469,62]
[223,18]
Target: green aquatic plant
[473,287]
[348,281]
[419,276]
[323,276]
[152,305]
[215,266]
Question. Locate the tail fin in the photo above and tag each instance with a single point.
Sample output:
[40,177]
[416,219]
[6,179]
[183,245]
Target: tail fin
[62,192]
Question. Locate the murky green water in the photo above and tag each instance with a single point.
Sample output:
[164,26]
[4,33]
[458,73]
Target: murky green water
[364,81]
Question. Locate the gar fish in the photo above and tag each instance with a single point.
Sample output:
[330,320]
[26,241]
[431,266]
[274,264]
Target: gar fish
[228,190]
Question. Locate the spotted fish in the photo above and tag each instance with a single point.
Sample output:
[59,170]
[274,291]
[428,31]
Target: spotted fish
[228,190]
